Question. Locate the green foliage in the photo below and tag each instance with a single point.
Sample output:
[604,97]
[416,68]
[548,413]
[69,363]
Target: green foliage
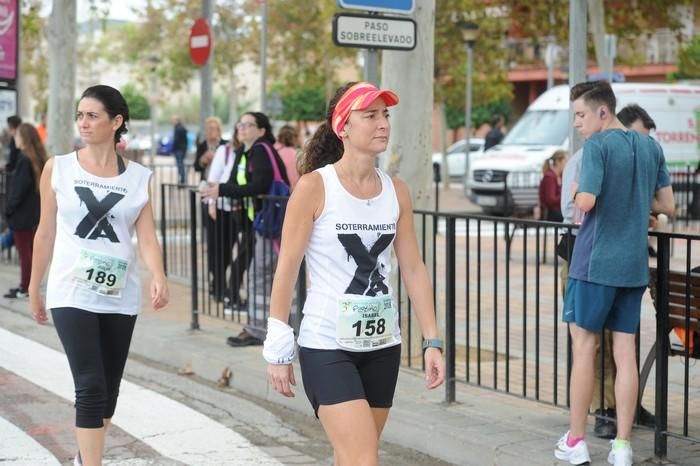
[304,104]
[222,107]
[689,61]
[300,47]
[137,102]
[489,74]
[481,114]
[628,19]
[34,61]
[164,33]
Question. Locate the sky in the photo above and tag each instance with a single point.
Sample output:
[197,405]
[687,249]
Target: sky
[117,10]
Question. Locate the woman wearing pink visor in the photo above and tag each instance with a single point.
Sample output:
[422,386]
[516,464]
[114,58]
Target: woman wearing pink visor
[344,216]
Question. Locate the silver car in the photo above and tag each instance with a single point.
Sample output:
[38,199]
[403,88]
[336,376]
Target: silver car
[455,156]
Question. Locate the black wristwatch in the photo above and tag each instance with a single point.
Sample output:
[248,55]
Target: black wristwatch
[433,343]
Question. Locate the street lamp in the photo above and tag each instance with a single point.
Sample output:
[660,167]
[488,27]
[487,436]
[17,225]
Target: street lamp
[153,60]
[470,31]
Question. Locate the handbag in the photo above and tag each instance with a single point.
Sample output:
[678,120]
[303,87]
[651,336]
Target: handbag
[565,247]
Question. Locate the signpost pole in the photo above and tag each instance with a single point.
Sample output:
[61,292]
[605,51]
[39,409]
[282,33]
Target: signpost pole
[207,104]
[372,66]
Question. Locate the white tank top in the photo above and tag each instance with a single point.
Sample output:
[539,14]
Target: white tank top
[94,264]
[350,303]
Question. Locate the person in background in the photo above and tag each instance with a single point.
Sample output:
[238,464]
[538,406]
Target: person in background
[550,187]
[207,148]
[22,208]
[41,128]
[287,142]
[637,119]
[495,134]
[179,147]
[221,221]
[252,175]
[13,123]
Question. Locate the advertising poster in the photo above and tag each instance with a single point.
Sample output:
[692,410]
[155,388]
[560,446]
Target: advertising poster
[8,39]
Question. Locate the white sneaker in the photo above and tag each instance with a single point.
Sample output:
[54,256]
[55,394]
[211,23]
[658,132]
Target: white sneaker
[621,456]
[578,454]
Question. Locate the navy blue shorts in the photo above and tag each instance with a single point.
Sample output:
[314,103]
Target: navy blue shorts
[595,307]
[336,376]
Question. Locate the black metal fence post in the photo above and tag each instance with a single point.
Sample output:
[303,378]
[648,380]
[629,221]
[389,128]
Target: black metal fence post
[450,301]
[437,178]
[661,408]
[194,324]
[163,228]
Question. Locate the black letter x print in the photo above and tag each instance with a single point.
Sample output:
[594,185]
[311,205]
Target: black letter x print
[96,219]
[367,280]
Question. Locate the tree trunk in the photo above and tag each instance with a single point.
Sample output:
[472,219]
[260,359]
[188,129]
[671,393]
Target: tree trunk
[596,15]
[61,35]
[409,154]
[577,61]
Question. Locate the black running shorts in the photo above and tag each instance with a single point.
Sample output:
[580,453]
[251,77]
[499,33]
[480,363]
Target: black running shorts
[336,376]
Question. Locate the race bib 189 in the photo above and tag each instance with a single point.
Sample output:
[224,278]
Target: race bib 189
[99,273]
[365,323]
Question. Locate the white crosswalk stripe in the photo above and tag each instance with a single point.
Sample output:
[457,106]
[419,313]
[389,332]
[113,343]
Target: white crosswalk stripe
[169,427]
[19,449]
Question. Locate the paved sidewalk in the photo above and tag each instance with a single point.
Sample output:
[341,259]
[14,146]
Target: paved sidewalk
[482,428]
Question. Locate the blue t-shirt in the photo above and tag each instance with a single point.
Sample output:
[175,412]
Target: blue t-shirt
[623,169]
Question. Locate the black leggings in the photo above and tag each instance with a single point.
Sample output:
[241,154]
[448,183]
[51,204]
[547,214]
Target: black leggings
[97,346]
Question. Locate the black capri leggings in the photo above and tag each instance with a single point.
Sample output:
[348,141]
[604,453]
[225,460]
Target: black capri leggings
[97,346]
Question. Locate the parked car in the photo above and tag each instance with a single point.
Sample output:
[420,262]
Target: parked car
[455,156]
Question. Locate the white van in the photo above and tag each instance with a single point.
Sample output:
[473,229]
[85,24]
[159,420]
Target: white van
[505,178]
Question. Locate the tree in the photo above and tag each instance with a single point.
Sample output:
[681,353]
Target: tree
[481,114]
[139,109]
[689,61]
[490,84]
[303,104]
[62,55]
[301,52]
[33,58]
[628,19]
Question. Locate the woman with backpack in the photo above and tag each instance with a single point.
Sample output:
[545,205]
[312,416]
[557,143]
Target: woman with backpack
[252,175]
[345,216]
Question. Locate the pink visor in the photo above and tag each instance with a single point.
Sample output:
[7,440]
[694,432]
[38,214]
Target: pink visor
[359,97]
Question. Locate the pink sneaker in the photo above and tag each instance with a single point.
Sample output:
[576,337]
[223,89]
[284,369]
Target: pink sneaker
[578,454]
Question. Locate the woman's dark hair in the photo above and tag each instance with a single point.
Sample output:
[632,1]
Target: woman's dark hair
[287,136]
[633,112]
[235,142]
[33,149]
[325,146]
[114,104]
[263,122]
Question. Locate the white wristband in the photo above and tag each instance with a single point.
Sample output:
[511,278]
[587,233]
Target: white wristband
[279,343]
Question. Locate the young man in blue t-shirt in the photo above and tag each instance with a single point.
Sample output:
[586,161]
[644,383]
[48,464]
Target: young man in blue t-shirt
[623,178]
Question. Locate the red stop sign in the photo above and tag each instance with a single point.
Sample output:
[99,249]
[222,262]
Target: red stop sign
[200,41]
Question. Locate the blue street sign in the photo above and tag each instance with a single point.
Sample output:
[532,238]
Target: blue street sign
[404,7]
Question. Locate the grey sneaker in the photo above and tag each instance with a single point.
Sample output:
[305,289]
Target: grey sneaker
[620,456]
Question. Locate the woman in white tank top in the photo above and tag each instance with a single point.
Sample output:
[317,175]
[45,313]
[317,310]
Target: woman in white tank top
[92,204]
[344,215]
